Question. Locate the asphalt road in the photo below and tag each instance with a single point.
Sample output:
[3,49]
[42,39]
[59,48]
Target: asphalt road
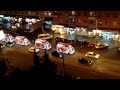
[108,66]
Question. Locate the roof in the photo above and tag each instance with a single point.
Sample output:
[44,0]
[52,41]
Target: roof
[65,44]
[40,40]
[44,34]
[20,37]
[90,52]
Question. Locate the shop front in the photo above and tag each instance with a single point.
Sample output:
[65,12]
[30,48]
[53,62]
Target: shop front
[81,31]
[104,34]
[71,31]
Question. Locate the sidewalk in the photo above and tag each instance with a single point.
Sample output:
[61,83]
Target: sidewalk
[110,42]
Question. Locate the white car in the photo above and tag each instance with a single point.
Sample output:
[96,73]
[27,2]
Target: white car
[99,46]
[2,46]
[32,49]
[92,55]
[45,36]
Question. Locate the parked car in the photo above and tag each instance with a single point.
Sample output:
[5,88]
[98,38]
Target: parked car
[10,44]
[2,46]
[85,61]
[58,39]
[100,46]
[55,53]
[92,55]
[32,49]
[45,36]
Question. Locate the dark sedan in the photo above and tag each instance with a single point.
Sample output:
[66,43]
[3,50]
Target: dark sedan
[85,61]
[55,53]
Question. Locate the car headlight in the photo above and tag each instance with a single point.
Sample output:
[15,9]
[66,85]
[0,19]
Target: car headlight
[98,55]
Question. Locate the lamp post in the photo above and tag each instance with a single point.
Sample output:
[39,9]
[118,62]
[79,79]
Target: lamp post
[63,63]
[96,23]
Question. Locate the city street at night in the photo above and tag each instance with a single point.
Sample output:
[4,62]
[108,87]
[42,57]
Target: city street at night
[107,66]
[59,45]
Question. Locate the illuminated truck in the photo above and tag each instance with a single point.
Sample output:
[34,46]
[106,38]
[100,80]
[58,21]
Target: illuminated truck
[65,48]
[22,40]
[42,44]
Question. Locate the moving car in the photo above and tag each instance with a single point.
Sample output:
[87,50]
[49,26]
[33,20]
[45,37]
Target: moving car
[85,61]
[10,44]
[33,49]
[100,46]
[45,36]
[55,53]
[2,46]
[92,55]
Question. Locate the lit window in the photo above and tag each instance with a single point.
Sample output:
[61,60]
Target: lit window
[115,23]
[73,12]
[107,23]
[107,14]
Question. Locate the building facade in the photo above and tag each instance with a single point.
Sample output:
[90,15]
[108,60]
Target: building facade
[90,19]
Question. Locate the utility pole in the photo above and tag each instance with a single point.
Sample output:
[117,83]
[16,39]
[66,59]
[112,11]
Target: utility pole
[63,64]
[96,23]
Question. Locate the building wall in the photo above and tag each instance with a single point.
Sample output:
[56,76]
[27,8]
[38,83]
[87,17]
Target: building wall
[81,18]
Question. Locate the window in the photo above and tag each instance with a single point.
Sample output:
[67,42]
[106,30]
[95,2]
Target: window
[73,20]
[107,14]
[66,13]
[85,13]
[85,21]
[79,13]
[73,12]
[100,23]
[107,23]
[91,13]
[115,14]
[115,23]
[99,14]
[92,22]
[66,21]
